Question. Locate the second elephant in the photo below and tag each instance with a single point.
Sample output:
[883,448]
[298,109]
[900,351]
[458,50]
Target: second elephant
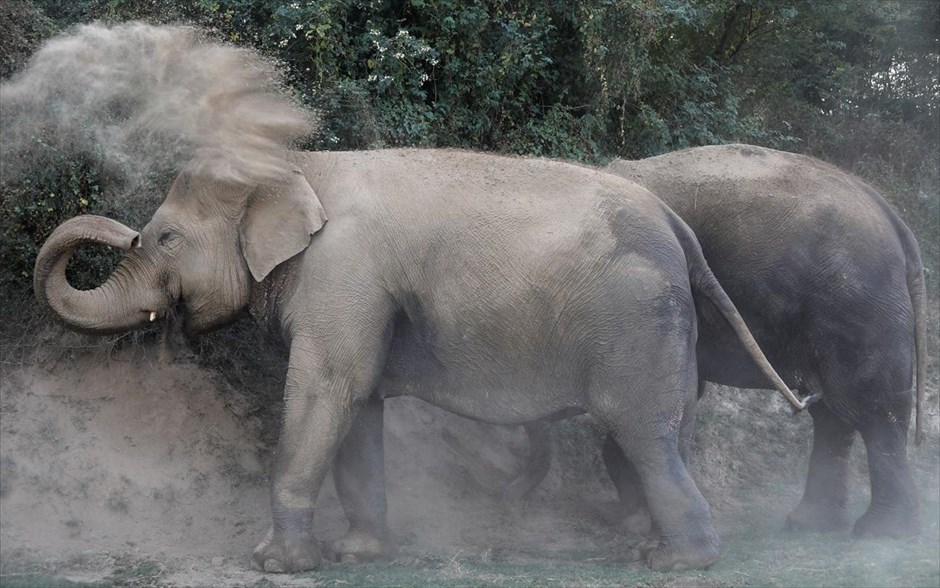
[831,282]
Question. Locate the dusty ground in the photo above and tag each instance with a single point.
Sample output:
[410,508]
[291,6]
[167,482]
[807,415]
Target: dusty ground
[115,469]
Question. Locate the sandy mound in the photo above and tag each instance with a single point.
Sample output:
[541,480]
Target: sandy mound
[124,455]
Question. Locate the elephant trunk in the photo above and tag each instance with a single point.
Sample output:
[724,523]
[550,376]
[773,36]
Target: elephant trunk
[103,310]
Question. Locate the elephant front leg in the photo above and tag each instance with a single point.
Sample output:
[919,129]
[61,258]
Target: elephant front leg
[823,506]
[321,398]
[359,473]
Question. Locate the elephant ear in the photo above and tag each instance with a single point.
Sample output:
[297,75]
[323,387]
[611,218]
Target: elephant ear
[278,223]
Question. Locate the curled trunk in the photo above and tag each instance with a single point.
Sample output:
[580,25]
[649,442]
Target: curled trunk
[105,309]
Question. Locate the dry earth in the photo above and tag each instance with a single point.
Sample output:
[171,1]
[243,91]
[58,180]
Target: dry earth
[110,458]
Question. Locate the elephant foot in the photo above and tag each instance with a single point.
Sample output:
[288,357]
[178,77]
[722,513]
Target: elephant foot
[696,554]
[283,554]
[641,549]
[360,546]
[817,518]
[891,523]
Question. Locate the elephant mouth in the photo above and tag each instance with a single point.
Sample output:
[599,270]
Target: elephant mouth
[173,320]
[172,308]
[172,315]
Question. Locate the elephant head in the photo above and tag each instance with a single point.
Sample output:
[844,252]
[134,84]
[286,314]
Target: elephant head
[200,253]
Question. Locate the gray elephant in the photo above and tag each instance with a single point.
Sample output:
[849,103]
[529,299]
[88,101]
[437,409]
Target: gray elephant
[503,289]
[832,284]
[830,281]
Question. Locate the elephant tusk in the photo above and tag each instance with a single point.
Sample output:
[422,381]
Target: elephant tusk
[153,316]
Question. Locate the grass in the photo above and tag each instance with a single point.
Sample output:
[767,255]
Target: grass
[39,581]
[753,555]
[755,552]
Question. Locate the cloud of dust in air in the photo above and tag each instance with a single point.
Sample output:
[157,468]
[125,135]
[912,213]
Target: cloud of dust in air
[146,100]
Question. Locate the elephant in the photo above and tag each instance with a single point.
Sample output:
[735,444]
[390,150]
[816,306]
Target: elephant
[830,281]
[503,289]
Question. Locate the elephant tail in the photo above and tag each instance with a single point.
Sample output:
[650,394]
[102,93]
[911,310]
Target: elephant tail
[917,289]
[536,465]
[706,284]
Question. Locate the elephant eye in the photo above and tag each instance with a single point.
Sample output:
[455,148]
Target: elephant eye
[167,237]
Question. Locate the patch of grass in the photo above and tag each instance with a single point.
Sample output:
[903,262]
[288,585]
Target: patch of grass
[755,552]
[783,559]
[42,581]
[134,572]
[20,568]
[464,571]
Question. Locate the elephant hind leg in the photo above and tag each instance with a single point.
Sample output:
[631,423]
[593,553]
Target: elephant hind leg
[823,506]
[684,536]
[359,474]
[894,509]
[626,479]
[637,520]
[680,515]
[870,393]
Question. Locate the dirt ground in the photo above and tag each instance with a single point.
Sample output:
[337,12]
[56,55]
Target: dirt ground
[116,469]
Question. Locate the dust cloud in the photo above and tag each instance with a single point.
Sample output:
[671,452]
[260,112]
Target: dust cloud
[145,100]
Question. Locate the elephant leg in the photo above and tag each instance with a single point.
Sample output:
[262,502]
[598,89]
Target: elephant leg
[359,473]
[637,520]
[685,538]
[894,510]
[648,434]
[823,506]
[626,480]
[325,386]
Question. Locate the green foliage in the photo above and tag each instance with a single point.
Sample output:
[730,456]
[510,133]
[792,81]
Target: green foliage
[854,82]
[34,206]
[483,75]
[22,28]
[660,85]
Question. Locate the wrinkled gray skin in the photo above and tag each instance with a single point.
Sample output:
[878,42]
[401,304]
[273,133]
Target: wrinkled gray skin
[830,281]
[504,290]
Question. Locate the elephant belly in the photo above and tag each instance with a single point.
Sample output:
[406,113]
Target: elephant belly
[476,386]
